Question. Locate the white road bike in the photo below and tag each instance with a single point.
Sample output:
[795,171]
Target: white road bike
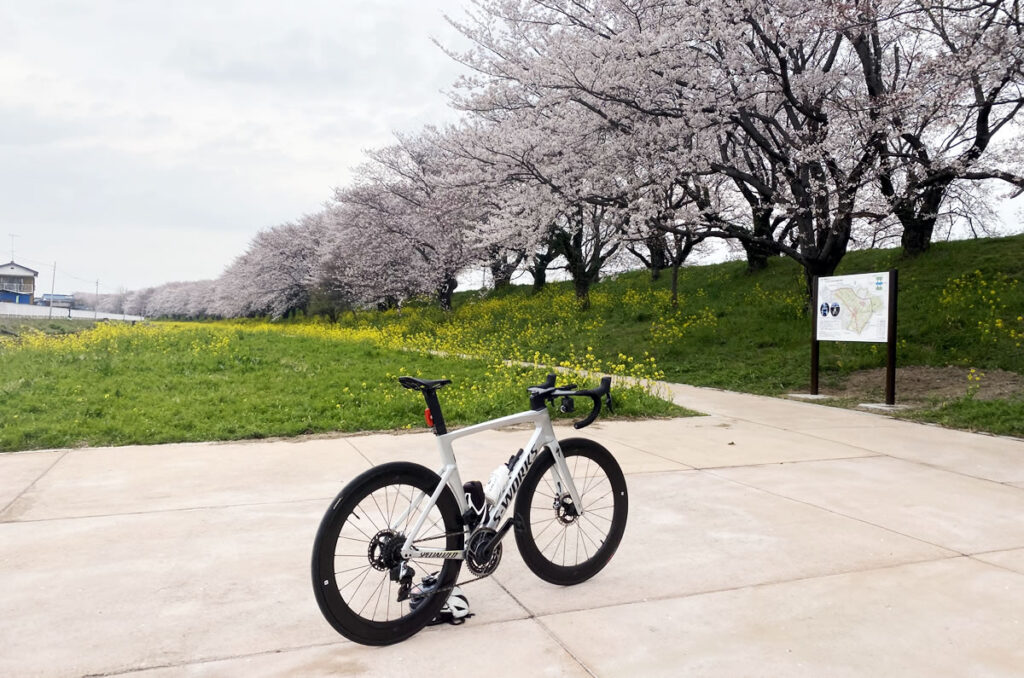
[401,520]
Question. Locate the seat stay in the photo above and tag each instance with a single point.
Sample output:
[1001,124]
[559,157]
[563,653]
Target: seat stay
[408,549]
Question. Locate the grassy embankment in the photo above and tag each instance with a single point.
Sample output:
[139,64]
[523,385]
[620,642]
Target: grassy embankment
[165,382]
[961,304]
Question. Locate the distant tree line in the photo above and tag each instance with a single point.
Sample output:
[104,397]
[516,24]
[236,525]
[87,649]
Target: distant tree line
[598,129]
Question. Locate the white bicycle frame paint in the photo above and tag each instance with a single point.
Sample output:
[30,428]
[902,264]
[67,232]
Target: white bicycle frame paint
[543,436]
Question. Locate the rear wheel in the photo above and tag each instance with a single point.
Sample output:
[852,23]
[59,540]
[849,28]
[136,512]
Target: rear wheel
[558,543]
[358,547]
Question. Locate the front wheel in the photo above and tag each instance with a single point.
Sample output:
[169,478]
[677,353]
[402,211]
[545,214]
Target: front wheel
[358,548]
[558,543]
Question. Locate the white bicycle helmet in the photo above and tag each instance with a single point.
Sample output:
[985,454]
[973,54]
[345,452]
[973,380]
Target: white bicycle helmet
[455,609]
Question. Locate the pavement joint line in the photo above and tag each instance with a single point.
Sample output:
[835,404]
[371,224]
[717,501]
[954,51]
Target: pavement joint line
[997,565]
[774,582]
[654,454]
[994,551]
[780,463]
[181,509]
[915,461]
[348,441]
[33,483]
[565,648]
[652,472]
[297,648]
[891,418]
[530,614]
[211,660]
[539,619]
[839,513]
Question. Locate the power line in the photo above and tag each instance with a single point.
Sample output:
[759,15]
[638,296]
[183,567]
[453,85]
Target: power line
[64,274]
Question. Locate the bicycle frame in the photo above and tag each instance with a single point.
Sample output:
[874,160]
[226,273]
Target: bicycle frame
[543,436]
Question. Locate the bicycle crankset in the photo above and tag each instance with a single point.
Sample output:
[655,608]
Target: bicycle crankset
[483,553]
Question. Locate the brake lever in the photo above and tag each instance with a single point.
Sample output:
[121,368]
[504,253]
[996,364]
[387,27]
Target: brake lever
[608,402]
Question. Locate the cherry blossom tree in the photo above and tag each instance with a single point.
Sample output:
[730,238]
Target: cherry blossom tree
[274,276]
[406,208]
[775,95]
[946,77]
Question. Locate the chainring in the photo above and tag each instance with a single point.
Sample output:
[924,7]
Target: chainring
[478,560]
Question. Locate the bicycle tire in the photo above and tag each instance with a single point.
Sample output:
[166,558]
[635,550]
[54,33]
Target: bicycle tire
[541,504]
[356,543]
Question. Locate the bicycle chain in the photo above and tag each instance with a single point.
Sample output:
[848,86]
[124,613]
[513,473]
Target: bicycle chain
[452,587]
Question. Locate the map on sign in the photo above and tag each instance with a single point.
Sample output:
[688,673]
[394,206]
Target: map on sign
[853,308]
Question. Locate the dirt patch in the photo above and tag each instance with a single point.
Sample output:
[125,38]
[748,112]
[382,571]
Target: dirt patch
[927,384]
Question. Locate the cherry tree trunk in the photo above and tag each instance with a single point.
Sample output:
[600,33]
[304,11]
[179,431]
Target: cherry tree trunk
[540,277]
[919,219]
[658,250]
[445,292]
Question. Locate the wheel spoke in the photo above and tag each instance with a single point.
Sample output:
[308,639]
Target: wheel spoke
[357,528]
[370,597]
[590,522]
[381,512]
[553,540]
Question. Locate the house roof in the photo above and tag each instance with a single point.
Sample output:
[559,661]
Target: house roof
[11,268]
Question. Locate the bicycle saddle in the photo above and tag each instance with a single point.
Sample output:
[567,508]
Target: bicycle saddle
[423,384]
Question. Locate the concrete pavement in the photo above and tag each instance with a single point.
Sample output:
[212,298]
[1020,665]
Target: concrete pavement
[770,538]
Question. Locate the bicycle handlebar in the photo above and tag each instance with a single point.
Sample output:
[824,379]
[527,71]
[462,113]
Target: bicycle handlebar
[540,394]
[594,394]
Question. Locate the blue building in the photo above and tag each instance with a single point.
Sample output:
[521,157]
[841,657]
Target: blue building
[17,283]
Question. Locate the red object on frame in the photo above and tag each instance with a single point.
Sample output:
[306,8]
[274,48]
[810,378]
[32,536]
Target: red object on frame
[428,417]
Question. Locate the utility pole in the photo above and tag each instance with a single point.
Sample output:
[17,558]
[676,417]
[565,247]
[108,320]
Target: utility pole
[13,236]
[96,301]
[53,285]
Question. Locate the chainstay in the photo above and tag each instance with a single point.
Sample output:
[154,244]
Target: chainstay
[452,587]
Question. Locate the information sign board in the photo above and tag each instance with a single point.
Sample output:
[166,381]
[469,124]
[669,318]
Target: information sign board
[853,308]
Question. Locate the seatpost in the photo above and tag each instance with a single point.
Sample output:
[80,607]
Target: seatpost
[434,405]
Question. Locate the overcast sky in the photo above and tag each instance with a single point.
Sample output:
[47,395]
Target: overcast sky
[143,142]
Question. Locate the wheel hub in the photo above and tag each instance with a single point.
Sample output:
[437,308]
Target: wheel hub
[385,550]
[565,509]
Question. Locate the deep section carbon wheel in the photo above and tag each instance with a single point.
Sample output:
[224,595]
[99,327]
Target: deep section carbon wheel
[560,544]
[360,579]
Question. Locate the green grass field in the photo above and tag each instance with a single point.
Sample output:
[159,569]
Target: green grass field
[960,304]
[168,382]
